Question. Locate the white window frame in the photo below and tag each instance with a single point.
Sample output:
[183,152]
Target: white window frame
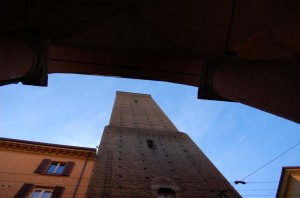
[43,190]
[57,166]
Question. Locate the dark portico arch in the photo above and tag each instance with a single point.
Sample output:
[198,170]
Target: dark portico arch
[243,51]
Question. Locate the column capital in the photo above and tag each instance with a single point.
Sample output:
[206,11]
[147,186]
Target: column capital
[38,74]
[205,88]
[24,58]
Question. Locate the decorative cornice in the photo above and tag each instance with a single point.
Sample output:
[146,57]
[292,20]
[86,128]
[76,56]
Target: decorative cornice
[46,148]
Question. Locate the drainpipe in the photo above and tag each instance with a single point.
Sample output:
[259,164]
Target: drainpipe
[80,177]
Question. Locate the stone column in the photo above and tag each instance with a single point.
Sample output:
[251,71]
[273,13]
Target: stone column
[272,86]
[23,59]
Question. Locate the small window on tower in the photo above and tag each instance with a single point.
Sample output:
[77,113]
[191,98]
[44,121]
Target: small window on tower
[166,193]
[151,144]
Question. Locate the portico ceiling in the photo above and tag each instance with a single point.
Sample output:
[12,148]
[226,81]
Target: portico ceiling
[253,29]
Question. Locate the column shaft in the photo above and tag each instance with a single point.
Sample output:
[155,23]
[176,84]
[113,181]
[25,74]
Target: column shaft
[272,86]
[16,59]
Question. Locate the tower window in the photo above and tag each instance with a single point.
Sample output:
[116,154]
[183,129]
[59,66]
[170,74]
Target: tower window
[166,193]
[151,144]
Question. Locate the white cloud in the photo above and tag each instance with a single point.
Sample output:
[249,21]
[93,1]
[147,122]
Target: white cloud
[197,117]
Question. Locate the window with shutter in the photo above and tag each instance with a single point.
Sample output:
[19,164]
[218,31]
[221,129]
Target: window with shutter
[24,191]
[48,166]
[32,191]
[41,193]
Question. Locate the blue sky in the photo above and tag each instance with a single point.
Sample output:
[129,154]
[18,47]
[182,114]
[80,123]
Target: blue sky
[74,109]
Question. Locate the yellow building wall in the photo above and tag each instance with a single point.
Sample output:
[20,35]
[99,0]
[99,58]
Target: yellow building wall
[17,167]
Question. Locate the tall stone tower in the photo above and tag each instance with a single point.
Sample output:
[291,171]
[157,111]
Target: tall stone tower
[142,154]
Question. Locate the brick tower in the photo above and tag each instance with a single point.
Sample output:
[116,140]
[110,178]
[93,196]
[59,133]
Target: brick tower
[142,154]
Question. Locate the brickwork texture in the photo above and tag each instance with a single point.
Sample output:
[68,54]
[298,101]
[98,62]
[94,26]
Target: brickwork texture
[141,152]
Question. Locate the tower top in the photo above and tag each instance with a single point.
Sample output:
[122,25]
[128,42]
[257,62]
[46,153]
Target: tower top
[135,110]
[131,93]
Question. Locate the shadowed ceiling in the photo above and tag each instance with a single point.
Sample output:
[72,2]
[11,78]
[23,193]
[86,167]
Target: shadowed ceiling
[254,29]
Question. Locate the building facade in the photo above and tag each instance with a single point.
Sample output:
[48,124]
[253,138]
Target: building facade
[289,185]
[142,154]
[41,170]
